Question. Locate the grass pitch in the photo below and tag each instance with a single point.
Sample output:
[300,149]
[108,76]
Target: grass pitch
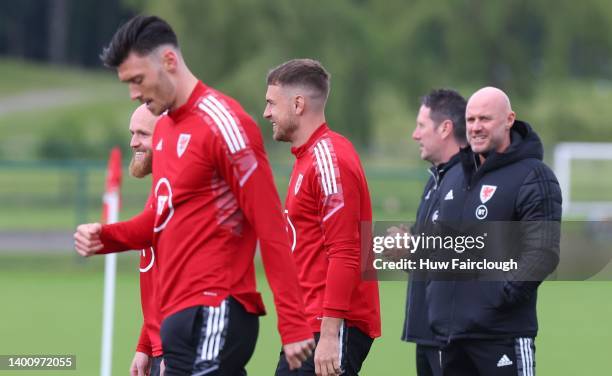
[52,304]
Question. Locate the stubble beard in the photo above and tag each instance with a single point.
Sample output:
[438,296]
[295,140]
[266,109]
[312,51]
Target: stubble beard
[285,134]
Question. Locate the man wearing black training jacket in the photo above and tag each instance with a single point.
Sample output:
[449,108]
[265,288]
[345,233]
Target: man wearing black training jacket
[489,325]
[440,132]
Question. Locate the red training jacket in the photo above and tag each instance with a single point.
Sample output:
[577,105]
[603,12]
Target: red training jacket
[329,213]
[214,198]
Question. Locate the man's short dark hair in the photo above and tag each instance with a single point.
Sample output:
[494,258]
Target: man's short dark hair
[142,35]
[447,104]
[303,72]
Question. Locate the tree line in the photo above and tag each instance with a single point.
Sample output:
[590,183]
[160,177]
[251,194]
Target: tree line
[410,46]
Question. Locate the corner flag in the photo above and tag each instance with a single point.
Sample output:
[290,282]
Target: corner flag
[111,203]
[112,194]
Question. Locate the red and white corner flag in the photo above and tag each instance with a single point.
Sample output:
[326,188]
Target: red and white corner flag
[112,193]
[111,203]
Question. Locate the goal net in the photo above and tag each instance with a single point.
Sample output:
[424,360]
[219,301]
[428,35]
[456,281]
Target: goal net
[584,170]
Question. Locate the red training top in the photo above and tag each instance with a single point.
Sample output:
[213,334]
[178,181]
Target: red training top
[329,214]
[214,198]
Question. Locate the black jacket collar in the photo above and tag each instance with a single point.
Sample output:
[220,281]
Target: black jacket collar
[524,144]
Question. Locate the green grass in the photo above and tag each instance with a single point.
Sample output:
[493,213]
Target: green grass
[49,196]
[589,181]
[53,304]
[53,197]
[20,76]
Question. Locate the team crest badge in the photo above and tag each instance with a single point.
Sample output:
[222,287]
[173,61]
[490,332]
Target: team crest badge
[298,184]
[486,192]
[182,143]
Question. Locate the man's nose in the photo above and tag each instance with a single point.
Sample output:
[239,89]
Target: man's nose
[134,93]
[134,142]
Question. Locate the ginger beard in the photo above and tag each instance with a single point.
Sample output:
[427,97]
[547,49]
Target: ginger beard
[141,164]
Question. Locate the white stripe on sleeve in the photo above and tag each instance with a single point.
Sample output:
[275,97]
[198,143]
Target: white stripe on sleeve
[326,166]
[220,125]
[231,119]
[331,166]
[228,126]
[323,172]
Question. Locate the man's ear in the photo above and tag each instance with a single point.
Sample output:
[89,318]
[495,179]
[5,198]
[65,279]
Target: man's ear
[169,60]
[299,104]
[445,129]
[510,120]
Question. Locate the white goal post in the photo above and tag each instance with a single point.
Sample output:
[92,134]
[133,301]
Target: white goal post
[564,154]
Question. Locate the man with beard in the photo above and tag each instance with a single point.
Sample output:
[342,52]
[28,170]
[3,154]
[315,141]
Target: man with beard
[148,357]
[214,198]
[328,213]
[142,124]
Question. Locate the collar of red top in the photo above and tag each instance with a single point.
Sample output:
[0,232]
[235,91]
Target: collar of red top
[300,150]
[179,113]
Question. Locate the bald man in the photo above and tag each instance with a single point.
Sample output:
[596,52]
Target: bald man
[505,193]
[142,124]
[148,357]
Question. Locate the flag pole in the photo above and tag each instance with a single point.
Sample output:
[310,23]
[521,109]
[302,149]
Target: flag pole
[110,214]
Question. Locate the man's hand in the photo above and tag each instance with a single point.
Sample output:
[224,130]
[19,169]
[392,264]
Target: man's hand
[141,365]
[397,254]
[327,353]
[87,239]
[327,356]
[401,229]
[297,352]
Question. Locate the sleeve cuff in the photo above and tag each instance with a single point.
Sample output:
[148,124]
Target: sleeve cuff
[297,337]
[144,349]
[335,313]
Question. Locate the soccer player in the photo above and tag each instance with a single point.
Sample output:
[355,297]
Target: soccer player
[489,324]
[214,197]
[328,211]
[440,132]
[148,357]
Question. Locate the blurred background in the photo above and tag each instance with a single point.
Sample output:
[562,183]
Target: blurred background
[61,112]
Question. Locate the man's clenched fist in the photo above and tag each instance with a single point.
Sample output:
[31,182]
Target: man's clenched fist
[297,352]
[87,239]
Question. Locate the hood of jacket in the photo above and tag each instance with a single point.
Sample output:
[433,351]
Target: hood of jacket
[524,144]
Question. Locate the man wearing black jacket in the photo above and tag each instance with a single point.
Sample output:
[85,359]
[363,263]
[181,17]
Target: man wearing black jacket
[489,324]
[440,132]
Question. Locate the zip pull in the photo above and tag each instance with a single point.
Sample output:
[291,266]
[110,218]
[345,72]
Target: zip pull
[434,176]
